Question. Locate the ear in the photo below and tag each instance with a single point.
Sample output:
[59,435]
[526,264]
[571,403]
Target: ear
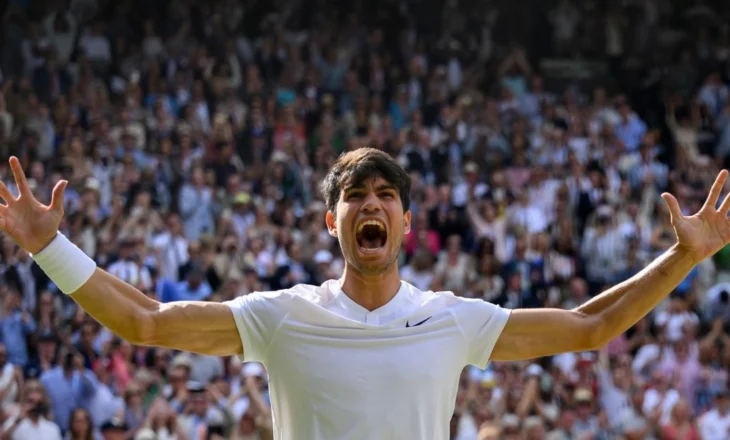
[407,220]
[331,223]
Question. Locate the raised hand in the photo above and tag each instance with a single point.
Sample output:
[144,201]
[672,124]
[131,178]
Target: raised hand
[31,224]
[707,231]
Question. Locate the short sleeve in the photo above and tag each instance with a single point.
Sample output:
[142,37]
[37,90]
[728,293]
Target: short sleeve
[258,316]
[482,324]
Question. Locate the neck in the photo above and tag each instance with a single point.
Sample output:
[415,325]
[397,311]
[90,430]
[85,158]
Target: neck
[370,291]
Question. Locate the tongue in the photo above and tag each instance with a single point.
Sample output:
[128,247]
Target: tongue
[372,243]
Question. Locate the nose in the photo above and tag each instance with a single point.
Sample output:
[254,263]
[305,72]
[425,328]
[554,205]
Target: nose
[371,203]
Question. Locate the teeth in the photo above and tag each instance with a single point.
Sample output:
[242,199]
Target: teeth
[377,223]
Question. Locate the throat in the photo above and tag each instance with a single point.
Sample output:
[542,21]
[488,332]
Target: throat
[370,291]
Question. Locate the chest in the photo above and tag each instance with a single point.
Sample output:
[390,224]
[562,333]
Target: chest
[347,362]
[28,429]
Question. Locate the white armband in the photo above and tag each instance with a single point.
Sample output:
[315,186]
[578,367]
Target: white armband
[65,264]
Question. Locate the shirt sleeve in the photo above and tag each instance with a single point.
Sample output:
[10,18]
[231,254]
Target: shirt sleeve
[258,316]
[481,323]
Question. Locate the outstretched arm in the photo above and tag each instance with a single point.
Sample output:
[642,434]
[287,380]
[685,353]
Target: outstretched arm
[531,333]
[206,328]
[195,326]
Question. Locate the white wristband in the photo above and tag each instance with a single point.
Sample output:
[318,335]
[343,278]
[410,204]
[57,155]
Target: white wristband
[65,264]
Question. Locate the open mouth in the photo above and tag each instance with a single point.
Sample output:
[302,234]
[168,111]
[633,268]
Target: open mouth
[371,235]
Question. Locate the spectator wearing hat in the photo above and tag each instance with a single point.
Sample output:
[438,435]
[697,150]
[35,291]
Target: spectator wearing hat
[586,422]
[241,214]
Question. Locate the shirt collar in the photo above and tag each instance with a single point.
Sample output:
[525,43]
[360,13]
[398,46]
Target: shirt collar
[345,306]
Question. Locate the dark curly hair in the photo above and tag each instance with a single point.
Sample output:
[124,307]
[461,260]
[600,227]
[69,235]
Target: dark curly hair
[355,167]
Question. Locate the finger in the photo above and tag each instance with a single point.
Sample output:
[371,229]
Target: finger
[673,206]
[5,193]
[57,196]
[715,191]
[725,207]
[19,175]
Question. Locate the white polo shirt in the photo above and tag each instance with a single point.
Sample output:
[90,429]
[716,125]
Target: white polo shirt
[338,371]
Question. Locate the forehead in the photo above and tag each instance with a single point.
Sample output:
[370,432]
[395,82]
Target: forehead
[371,183]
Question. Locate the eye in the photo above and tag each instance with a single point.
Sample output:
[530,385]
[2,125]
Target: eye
[387,195]
[353,196]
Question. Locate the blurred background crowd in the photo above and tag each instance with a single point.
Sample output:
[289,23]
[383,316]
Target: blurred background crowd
[195,135]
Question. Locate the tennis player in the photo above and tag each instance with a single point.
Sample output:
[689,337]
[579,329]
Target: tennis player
[367,356]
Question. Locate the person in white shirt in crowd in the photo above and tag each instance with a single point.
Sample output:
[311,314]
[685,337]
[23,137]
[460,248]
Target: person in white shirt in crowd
[715,424]
[11,381]
[34,420]
[128,266]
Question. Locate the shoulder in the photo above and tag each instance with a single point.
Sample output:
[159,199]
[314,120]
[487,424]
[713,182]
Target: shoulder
[460,307]
[709,416]
[450,299]
[46,375]
[318,295]
[51,427]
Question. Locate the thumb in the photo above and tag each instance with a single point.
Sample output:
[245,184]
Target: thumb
[673,206]
[57,196]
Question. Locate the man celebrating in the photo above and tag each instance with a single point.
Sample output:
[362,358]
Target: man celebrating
[367,356]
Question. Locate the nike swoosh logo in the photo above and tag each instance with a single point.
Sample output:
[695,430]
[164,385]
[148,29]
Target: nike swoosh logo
[418,323]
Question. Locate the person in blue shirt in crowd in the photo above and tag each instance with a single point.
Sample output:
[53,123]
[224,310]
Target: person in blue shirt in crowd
[69,385]
[15,326]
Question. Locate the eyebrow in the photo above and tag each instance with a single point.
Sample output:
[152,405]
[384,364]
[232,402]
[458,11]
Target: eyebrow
[361,187]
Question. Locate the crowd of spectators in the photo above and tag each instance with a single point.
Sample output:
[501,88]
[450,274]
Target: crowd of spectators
[195,135]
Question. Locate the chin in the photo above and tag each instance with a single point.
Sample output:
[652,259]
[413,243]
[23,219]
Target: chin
[373,262]
[372,269]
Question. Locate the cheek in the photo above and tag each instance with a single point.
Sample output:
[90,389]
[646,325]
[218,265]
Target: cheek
[343,220]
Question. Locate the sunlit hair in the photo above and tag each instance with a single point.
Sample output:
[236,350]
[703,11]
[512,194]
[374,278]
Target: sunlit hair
[358,166]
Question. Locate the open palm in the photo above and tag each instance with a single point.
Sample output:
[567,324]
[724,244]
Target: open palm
[26,220]
[707,231]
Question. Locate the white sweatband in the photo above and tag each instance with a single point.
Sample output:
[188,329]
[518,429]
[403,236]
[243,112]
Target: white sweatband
[65,264]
